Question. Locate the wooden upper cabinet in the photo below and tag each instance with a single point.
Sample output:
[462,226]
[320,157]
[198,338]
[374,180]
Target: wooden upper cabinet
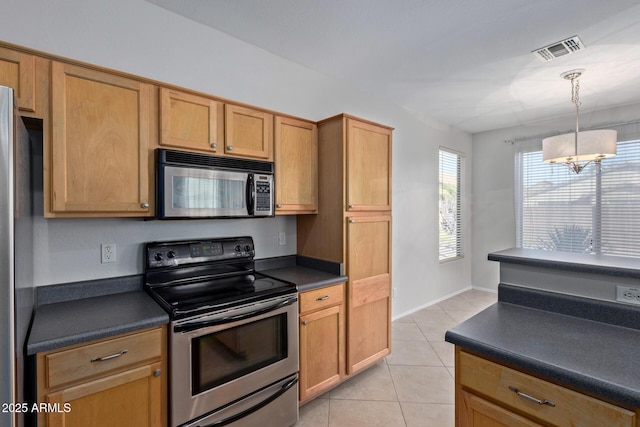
[296,163]
[368,167]
[191,122]
[101,126]
[248,132]
[17,70]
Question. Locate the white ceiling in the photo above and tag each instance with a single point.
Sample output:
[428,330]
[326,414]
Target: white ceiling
[467,63]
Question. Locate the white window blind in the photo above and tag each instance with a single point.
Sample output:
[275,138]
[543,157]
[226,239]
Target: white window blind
[596,211]
[450,218]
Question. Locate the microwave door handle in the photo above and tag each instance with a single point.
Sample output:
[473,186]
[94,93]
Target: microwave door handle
[253,409]
[192,326]
[249,194]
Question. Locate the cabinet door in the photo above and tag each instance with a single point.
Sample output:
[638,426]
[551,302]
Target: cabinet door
[99,144]
[368,167]
[321,350]
[131,398]
[191,122]
[296,163]
[17,70]
[248,133]
[476,412]
[369,294]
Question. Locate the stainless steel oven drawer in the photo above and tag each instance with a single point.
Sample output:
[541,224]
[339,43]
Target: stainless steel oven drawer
[274,406]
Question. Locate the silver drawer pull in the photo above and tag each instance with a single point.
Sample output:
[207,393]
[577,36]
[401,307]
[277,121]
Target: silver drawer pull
[230,147]
[324,298]
[531,398]
[111,356]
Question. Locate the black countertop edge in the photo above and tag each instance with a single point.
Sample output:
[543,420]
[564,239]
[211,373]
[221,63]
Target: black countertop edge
[600,311]
[587,263]
[331,267]
[564,376]
[77,321]
[51,294]
[54,344]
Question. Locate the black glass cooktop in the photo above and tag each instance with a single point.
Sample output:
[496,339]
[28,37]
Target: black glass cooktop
[200,296]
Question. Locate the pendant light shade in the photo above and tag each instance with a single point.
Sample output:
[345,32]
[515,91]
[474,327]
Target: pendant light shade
[577,149]
[592,145]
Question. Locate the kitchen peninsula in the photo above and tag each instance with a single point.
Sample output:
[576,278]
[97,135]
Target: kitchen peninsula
[556,348]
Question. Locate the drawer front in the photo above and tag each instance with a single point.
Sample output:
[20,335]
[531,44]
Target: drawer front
[322,297]
[517,390]
[64,367]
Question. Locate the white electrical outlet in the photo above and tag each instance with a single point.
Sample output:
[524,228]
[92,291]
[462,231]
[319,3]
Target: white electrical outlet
[108,251]
[395,292]
[282,238]
[628,294]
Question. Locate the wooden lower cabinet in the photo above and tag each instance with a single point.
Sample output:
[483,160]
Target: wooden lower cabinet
[322,340]
[369,292]
[489,394]
[120,381]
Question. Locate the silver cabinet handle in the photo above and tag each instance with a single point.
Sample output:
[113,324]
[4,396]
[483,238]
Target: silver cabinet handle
[304,323]
[278,206]
[352,221]
[324,298]
[156,373]
[351,206]
[229,147]
[214,145]
[109,357]
[144,205]
[531,398]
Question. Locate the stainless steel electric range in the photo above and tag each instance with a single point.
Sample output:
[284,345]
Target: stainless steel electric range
[234,334]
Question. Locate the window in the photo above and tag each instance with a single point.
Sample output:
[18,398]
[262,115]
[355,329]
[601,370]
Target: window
[450,218]
[595,211]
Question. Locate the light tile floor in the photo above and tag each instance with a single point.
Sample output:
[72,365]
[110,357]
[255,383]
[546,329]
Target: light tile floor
[414,385]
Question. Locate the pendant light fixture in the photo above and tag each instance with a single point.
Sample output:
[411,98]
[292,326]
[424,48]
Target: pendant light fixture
[578,149]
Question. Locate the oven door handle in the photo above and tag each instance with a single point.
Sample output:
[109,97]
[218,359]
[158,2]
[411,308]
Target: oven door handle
[192,326]
[255,408]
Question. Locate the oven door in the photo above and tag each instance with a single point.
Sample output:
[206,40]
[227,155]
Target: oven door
[185,192]
[219,358]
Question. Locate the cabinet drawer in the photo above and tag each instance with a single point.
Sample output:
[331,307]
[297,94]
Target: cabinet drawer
[571,408]
[64,367]
[322,297]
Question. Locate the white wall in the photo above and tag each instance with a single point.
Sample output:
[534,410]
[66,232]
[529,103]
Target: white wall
[140,38]
[493,184]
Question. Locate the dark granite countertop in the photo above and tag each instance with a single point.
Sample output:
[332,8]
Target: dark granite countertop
[589,354]
[61,322]
[568,261]
[304,272]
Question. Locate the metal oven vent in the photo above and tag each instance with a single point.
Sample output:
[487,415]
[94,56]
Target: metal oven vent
[561,48]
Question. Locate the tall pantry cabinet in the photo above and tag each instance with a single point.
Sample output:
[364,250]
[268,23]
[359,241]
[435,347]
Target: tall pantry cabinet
[353,226]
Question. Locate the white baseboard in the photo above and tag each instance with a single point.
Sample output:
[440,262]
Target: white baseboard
[429,304]
[479,288]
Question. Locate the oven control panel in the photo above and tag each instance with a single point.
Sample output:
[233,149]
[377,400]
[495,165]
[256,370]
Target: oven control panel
[174,253]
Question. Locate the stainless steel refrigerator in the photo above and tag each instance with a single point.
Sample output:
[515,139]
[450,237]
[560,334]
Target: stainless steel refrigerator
[16,259]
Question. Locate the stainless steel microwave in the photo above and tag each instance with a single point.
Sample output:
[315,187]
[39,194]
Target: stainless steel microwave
[191,185]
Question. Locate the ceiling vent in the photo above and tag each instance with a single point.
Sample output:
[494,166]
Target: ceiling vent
[561,48]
